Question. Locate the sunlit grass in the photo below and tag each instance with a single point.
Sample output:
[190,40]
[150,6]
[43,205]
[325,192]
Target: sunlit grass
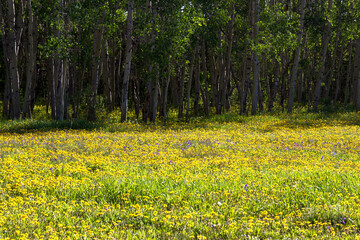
[228,177]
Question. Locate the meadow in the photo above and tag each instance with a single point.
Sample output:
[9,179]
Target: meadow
[229,177]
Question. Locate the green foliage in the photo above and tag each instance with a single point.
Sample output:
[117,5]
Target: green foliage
[278,31]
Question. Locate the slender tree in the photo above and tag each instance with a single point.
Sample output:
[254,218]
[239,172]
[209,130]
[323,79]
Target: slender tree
[128,52]
[256,75]
[325,43]
[30,62]
[294,72]
[95,65]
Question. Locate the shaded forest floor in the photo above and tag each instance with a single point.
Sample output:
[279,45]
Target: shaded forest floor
[300,118]
[226,177]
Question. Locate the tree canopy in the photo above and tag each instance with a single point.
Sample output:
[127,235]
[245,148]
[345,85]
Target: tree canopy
[199,57]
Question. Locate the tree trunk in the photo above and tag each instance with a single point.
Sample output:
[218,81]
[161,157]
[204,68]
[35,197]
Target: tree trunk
[256,75]
[155,95]
[165,94]
[357,75]
[218,84]
[348,76]
[118,81]
[275,87]
[191,72]
[338,78]
[325,43]
[128,52]
[136,90]
[108,87]
[260,98]
[181,91]
[227,72]
[6,100]
[52,84]
[205,90]
[175,88]
[213,77]
[296,59]
[154,77]
[60,78]
[59,70]
[332,67]
[300,85]
[197,84]
[11,38]
[95,67]
[30,63]
[249,58]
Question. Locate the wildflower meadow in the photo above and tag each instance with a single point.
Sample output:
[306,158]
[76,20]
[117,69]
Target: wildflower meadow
[231,177]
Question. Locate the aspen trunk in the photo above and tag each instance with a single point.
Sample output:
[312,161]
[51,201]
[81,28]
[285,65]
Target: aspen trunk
[30,63]
[155,95]
[154,74]
[128,52]
[112,75]
[181,91]
[213,77]
[227,72]
[189,87]
[205,91]
[219,78]
[175,88]
[52,84]
[338,78]
[296,59]
[300,86]
[11,38]
[247,82]
[332,67]
[325,43]
[60,79]
[275,87]
[165,94]
[108,88]
[118,81]
[197,85]
[249,58]
[95,67]
[357,75]
[256,75]
[6,100]
[348,76]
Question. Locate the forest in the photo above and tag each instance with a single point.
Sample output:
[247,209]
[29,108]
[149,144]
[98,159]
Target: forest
[197,57]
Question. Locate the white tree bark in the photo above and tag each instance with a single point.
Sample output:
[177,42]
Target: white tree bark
[296,58]
[325,43]
[357,75]
[30,62]
[128,52]
[10,38]
[95,66]
[256,75]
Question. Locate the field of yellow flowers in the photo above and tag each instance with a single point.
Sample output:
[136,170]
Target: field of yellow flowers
[250,178]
